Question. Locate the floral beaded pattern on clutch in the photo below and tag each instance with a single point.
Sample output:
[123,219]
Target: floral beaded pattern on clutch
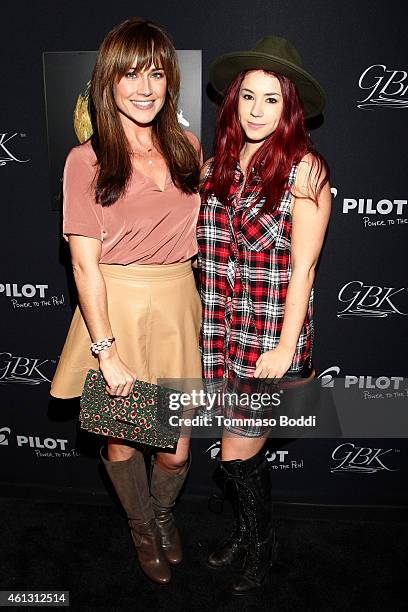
[141,417]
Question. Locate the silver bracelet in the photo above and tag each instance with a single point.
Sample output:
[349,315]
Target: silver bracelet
[97,347]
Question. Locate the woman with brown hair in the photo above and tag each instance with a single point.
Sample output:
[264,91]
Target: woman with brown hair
[130,211]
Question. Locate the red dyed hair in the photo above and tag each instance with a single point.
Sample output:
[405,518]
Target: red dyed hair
[273,161]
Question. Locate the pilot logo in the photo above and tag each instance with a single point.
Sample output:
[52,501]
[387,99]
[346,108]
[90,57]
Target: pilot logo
[40,447]
[25,370]
[327,377]
[27,291]
[370,300]
[6,145]
[360,459]
[22,296]
[369,206]
[351,381]
[37,442]
[214,449]
[278,460]
[279,455]
[375,212]
[4,436]
[383,88]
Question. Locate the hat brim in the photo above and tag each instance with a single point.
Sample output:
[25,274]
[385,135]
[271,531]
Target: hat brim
[224,69]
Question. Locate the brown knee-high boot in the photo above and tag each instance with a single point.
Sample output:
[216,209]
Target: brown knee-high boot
[164,488]
[130,481]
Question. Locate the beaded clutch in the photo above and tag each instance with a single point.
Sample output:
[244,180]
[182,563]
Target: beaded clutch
[141,417]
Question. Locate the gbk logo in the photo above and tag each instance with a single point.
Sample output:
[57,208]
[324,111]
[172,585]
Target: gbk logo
[360,459]
[4,436]
[24,370]
[6,146]
[370,300]
[384,88]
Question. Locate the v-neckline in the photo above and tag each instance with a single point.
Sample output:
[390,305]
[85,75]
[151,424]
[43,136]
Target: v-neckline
[149,178]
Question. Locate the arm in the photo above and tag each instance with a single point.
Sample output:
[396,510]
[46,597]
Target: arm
[196,144]
[90,284]
[203,170]
[309,223]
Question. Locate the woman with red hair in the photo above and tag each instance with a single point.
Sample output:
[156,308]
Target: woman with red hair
[265,208]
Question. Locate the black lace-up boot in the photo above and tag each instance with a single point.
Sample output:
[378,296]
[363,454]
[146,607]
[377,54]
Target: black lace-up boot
[235,545]
[251,479]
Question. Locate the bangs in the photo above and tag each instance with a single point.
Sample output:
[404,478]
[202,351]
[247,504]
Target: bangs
[140,48]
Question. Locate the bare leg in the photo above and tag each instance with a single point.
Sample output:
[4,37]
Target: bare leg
[119,451]
[234,447]
[175,463]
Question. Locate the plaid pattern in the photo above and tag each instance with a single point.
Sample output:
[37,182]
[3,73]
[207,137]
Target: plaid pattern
[230,342]
[249,419]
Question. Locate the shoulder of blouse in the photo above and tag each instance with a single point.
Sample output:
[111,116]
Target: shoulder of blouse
[193,139]
[81,154]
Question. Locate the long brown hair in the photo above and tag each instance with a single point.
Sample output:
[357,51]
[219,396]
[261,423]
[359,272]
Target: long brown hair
[147,44]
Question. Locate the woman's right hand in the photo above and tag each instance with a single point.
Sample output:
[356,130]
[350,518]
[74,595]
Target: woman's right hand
[118,377]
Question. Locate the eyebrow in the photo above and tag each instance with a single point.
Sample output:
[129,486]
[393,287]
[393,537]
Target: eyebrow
[150,69]
[273,93]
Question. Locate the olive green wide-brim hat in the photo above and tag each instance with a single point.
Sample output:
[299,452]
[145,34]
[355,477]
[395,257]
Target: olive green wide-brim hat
[277,55]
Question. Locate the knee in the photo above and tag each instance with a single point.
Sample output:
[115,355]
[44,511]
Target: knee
[119,452]
[172,463]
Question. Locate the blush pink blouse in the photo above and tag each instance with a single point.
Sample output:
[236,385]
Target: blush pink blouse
[145,226]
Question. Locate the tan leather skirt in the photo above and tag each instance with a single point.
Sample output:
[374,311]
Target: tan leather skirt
[155,315]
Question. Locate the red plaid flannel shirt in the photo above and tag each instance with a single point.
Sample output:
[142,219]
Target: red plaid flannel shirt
[232,306]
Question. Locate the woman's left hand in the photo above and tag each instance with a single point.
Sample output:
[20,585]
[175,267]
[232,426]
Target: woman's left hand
[274,363]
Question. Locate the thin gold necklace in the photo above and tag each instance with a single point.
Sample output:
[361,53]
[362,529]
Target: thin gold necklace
[144,154]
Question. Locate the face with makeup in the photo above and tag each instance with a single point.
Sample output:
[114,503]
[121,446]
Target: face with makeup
[260,105]
[139,96]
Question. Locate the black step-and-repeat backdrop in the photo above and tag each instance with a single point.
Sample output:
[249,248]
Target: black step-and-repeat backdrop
[358,52]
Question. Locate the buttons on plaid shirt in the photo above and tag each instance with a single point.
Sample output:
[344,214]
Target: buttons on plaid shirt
[229,338]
